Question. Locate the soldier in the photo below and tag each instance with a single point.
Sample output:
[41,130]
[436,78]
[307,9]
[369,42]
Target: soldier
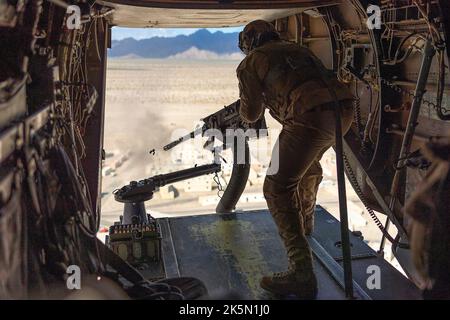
[428,206]
[300,93]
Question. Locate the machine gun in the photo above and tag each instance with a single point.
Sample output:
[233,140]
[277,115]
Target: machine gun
[136,238]
[223,120]
[143,190]
[136,193]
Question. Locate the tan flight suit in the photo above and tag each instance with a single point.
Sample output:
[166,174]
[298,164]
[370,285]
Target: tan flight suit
[286,78]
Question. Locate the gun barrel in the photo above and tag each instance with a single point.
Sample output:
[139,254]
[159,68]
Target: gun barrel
[139,191]
[185,174]
[181,139]
[173,144]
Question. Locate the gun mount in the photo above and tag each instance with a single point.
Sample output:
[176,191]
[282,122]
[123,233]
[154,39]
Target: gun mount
[232,128]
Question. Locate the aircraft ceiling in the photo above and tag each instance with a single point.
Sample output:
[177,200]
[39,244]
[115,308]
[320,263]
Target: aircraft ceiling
[204,13]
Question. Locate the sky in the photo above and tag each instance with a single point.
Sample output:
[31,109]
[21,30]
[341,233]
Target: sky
[144,33]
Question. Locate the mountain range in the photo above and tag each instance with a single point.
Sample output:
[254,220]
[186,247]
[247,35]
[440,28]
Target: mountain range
[201,43]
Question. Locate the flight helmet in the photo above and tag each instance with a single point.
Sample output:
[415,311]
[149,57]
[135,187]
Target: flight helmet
[255,34]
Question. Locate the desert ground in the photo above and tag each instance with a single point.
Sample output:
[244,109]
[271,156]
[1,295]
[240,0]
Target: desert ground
[150,103]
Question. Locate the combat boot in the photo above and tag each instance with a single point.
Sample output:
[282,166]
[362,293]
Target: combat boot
[291,282]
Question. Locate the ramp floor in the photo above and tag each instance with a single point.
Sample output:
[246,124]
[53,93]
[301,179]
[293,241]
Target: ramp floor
[231,252]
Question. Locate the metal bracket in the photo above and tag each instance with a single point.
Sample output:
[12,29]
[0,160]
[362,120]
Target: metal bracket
[335,269]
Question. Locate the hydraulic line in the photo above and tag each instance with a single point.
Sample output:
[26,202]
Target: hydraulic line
[357,114]
[354,182]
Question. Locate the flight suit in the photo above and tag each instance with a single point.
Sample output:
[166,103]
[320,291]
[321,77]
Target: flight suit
[428,222]
[294,85]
